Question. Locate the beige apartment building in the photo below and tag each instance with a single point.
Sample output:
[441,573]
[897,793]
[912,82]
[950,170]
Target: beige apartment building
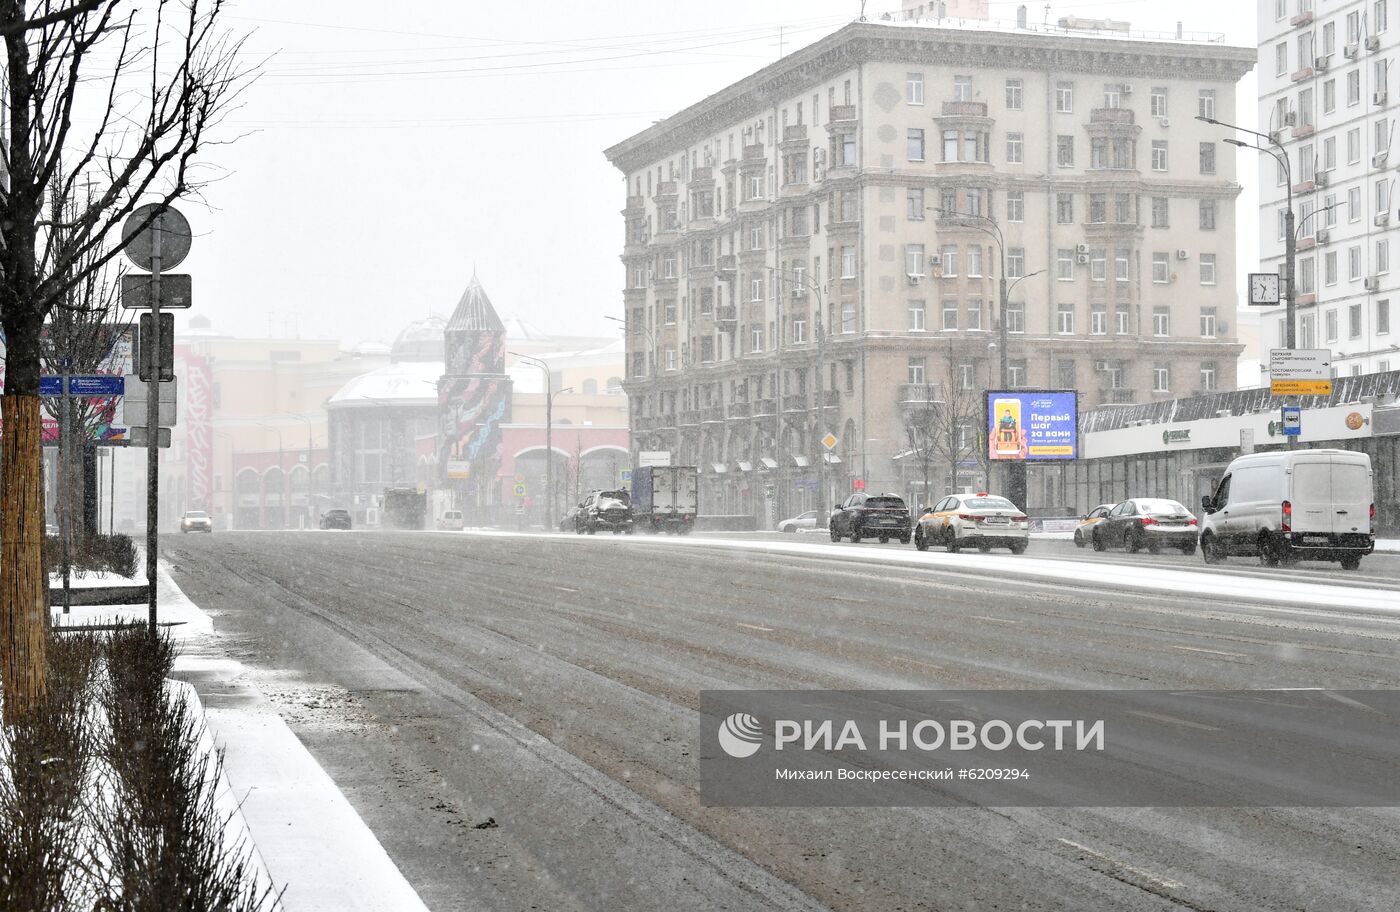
[817,249]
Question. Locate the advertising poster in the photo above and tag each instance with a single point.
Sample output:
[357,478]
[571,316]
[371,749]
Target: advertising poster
[1032,425]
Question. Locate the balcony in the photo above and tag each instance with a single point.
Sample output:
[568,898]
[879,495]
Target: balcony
[795,403]
[635,205]
[1300,75]
[1118,395]
[689,418]
[755,153]
[764,407]
[666,190]
[842,114]
[1307,186]
[727,263]
[1301,18]
[1303,130]
[737,410]
[712,414]
[831,398]
[795,134]
[703,174]
[727,313]
[920,393]
[961,109]
[1111,116]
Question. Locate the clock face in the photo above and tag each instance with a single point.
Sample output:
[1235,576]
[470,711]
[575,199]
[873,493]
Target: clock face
[1264,288]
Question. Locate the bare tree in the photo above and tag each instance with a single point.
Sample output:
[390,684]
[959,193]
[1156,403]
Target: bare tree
[99,92]
[945,432]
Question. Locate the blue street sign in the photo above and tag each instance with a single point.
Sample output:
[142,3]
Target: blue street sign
[50,386]
[99,385]
[1292,421]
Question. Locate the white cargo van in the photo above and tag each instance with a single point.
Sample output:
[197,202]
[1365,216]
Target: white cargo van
[1293,504]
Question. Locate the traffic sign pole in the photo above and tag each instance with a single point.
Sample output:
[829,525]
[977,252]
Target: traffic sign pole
[153,427]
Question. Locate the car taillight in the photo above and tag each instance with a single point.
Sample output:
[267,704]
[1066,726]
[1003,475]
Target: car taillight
[968,517]
[1192,521]
[1373,514]
[1149,521]
[1020,519]
[1287,524]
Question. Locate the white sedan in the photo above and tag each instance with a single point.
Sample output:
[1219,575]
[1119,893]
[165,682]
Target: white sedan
[806,520]
[982,521]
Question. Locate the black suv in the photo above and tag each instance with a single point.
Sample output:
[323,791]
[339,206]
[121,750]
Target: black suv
[604,510]
[335,519]
[870,516]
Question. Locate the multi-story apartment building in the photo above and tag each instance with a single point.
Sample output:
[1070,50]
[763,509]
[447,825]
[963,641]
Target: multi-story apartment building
[1325,99]
[816,249]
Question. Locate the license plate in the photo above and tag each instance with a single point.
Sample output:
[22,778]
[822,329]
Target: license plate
[1315,539]
[998,519]
[888,522]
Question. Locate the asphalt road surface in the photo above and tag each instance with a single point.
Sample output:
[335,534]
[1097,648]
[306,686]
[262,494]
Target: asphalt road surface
[515,715]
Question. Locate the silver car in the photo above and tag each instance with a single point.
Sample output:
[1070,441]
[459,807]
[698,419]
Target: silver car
[806,520]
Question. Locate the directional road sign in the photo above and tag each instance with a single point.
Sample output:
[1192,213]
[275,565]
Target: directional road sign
[176,291]
[1300,372]
[83,385]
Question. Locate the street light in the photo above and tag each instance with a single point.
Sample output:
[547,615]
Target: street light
[282,494]
[819,331]
[1290,240]
[548,435]
[651,339]
[310,464]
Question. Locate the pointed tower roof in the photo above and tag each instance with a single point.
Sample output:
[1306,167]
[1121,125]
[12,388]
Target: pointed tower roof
[474,312]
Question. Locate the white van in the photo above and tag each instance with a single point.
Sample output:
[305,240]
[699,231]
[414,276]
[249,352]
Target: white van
[1290,505]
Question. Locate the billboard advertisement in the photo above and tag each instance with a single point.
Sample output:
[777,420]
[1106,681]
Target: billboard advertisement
[1032,425]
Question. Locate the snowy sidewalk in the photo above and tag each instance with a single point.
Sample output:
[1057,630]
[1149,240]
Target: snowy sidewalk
[309,836]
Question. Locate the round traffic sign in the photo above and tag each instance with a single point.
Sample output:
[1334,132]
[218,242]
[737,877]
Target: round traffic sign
[519,490]
[138,236]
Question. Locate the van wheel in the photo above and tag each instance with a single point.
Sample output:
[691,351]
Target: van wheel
[1268,554]
[855,537]
[835,536]
[1351,562]
[1211,552]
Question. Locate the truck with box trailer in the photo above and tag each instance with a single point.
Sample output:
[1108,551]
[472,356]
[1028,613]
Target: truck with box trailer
[666,498]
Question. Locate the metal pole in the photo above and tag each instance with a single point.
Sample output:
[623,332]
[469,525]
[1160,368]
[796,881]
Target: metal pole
[1290,255]
[64,495]
[548,450]
[153,425]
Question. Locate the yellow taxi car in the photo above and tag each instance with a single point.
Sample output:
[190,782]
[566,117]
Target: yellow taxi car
[982,521]
[1085,529]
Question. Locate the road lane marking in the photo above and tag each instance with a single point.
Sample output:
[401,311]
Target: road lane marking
[847,598]
[565,589]
[1163,882]
[755,627]
[1219,652]
[1172,720]
[983,617]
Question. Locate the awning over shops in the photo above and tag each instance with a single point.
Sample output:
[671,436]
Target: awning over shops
[744,466]
[719,468]
[831,458]
[800,461]
[768,462]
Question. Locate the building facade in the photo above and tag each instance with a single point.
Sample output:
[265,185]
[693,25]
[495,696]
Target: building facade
[816,249]
[1324,98]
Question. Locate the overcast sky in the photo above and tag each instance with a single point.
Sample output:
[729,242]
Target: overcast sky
[394,148]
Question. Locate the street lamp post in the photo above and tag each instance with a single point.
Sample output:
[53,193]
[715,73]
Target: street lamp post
[548,436]
[819,334]
[282,494]
[1290,241]
[310,464]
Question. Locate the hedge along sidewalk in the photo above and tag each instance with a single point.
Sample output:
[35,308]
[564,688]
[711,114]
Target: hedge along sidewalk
[312,842]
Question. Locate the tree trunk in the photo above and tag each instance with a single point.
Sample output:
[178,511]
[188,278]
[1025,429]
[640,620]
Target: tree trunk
[23,587]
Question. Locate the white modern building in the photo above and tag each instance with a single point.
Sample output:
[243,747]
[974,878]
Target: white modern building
[1327,99]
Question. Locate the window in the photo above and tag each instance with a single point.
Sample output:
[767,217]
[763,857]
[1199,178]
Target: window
[1016,373]
[1382,317]
[1064,319]
[1123,209]
[916,316]
[846,150]
[1281,58]
[1207,215]
[1112,94]
[1159,101]
[916,145]
[1354,321]
[848,325]
[1207,158]
[799,329]
[1014,94]
[950,314]
[1159,155]
[1354,263]
[1159,212]
[1064,264]
[1064,97]
[974,313]
[1208,372]
[1354,212]
[974,201]
[1205,103]
[1354,27]
[1307,330]
[1329,210]
[1329,267]
[669,309]
[1380,19]
[671,358]
[974,261]
[1098,208]
[1329,325]
[1382,256]
[1329,153]
[756,287]
[1354,87]
[1015,262]
[1098,320]
[1121,315]
[1160,273]
[967,375]
[848,262]
[1161,378]
[915,204]
[1015,317]
[1098,152]
[914,88]
[1382,135]
[1098,265]
[1207,322]
[1064,208]
[1208,268]
[962,88]
[950,145]
[1064,151]
[950,260]
[914,259]
[1015,206]
[1280,9]
[1120,264]
[1013,148]
[1064,373]
[916,370]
